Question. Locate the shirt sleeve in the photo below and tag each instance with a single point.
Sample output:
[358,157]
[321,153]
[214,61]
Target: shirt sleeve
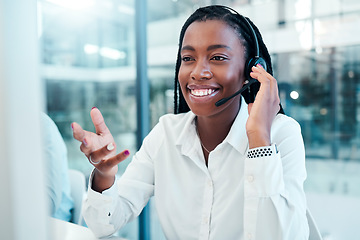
[274,201]
[107,212]
[97,209]
[55,154]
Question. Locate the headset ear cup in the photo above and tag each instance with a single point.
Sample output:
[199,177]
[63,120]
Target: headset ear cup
[262,62]
[253,62]
[249,95]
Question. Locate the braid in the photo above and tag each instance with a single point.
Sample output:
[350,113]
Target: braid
[241,27]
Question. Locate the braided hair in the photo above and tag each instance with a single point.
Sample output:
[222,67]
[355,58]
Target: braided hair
[239,24]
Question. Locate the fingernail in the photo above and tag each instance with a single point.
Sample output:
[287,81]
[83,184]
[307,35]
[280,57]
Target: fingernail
[259,65]
[85,142]
[93,108]
[72,127]
[110,146]
[126,153]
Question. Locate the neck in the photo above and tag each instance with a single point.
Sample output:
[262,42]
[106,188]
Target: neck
[214,129]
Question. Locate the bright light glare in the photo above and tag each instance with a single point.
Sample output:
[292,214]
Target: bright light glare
[304,28]
[91,49]
[104,51]
[74,4]
[294,95]
[351,74]
[323,111]
[302,9]
[319,50]
[112,53]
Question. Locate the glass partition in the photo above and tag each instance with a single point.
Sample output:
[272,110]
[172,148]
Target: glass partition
[88,59]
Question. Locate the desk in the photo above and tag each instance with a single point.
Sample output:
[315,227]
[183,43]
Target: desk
[61,230]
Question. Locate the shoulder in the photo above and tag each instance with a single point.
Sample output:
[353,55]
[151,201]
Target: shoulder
[164,133]
[170,126]
[51,134]
[283,122]
[286,133]
[285,128]
[176,120]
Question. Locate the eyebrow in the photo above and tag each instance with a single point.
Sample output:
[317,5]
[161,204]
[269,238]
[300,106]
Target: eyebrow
[211,47]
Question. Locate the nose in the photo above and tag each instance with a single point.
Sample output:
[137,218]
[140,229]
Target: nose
[201,71]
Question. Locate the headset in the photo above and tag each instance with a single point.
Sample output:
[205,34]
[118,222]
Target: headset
[251,85]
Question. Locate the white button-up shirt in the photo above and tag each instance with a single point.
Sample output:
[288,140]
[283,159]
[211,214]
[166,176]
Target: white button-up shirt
[235,197]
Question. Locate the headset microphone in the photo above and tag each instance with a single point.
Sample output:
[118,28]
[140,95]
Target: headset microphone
[224,100]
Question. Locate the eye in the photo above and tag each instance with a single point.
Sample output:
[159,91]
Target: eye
[218,58]
[186,59]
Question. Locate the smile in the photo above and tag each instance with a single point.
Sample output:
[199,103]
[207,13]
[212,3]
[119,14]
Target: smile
[202,92]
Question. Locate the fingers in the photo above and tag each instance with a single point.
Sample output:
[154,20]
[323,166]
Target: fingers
[258,70]
[80,135]
[99,147]
[268,85]
[111,162]
[78,132]
[262,76]
[104,165]
[98,121]
[100,154]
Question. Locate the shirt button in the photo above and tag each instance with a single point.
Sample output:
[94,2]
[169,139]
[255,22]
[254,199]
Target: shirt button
[206,220]
[250,178]
[209,183]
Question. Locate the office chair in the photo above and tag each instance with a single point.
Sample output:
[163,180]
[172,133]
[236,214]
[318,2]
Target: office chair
[78,191]
[314,231]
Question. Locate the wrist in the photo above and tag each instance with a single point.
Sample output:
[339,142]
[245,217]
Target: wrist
[101,182]
[258,140]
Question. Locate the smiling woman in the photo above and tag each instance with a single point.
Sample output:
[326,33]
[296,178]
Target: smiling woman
[232,171]
[212,67]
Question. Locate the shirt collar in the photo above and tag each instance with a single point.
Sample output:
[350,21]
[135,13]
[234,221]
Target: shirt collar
[237,138]
[187,137]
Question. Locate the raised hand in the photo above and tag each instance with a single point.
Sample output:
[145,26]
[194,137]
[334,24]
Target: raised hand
[264,109]
[100,149]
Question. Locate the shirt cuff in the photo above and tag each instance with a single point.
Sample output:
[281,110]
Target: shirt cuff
[263,172]
[266,151]
[97,199]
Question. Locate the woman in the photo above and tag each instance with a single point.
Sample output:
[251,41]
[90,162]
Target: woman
[216,171]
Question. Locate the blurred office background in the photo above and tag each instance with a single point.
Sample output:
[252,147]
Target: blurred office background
[88,58]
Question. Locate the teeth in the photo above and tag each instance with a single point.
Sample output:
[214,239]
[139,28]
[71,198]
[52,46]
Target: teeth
[202,92]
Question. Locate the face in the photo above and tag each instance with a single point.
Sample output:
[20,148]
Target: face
[212,67]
